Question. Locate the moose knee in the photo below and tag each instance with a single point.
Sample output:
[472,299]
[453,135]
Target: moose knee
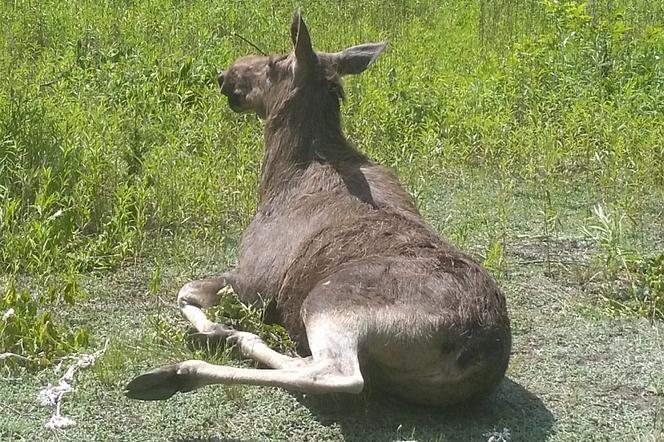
[340,384]
[203,293]
[185,295]
[328,379]
[354,384]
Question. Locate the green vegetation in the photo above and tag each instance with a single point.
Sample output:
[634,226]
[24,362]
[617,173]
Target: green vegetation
[27,329]
[530,132]
[629,282]
[236,314]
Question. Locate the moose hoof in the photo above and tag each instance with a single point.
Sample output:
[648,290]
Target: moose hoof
[161,383]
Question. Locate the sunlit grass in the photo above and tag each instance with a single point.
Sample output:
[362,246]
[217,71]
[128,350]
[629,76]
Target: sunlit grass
[112,128]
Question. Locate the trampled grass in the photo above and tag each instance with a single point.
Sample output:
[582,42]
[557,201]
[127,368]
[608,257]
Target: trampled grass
[123,174]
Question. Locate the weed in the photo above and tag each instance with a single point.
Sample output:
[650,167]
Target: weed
[236,394]
[166,333]
[631,283]
[606,231]
[29,329]
[647,288]
[156,279]
[234,313]
[109,366]
[493,259]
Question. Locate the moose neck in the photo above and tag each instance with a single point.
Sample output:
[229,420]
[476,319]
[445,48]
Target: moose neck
[303,128]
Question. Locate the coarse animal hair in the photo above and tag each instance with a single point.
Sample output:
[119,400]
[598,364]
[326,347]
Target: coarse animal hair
[367,290]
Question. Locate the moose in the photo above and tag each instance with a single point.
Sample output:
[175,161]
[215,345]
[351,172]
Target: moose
[366,289]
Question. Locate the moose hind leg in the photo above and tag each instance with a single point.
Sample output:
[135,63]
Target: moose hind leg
[197,295]
[334,368]
[163,382]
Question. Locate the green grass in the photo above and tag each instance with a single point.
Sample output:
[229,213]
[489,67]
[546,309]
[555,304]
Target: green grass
[529,131]
[576,372]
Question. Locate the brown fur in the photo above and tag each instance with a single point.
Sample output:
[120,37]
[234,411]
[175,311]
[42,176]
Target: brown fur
[327,213]
[360,281]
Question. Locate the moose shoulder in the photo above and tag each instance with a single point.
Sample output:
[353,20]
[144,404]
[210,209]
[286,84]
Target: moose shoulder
[360,281]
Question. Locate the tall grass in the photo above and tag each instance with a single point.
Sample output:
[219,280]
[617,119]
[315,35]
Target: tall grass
[112,130]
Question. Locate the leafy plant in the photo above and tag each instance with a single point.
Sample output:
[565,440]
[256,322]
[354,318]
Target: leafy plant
[631,283]
[494,258]
[647,289]
[29,331]
[606,230]
[247,317]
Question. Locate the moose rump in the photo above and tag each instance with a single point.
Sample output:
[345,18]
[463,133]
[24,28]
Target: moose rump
[363,285]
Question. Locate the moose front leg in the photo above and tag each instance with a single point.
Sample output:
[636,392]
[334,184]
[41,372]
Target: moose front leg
[200,294]
[205,293]
[253,347]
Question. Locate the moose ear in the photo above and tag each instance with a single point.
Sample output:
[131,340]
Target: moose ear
[357,59]
[305,56]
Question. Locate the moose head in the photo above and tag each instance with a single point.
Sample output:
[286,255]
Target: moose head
[262,83]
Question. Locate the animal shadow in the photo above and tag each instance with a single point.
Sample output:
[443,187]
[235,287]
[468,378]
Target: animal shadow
[510,408]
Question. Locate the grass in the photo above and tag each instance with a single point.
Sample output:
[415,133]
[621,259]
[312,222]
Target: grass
[576,372]
[529,131]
